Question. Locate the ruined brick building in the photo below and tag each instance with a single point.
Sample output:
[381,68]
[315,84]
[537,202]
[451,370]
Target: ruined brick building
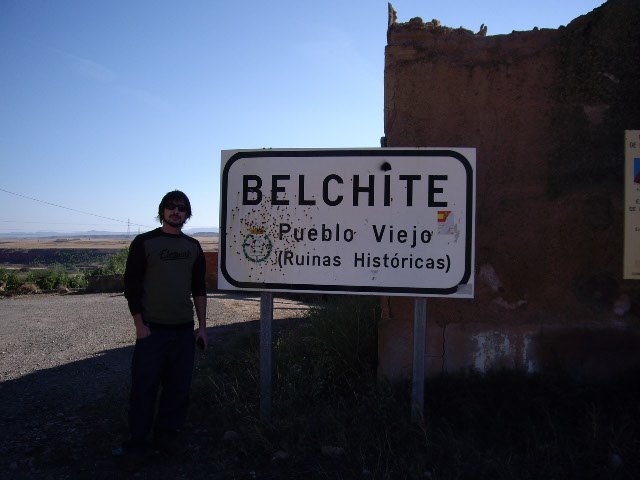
[546,110]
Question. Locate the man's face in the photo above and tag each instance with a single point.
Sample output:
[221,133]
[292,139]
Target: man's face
[175,214]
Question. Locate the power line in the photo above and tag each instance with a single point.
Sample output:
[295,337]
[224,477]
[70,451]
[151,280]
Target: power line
[38,222]
[72,209]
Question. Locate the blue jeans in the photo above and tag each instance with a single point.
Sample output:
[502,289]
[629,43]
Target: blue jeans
[161,362]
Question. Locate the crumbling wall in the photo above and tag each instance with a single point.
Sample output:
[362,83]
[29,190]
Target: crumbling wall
[546,110]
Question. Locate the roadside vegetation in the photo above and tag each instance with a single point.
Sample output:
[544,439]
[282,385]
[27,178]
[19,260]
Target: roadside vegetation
[332,419]
[33,279]
[114,265]
[28,280]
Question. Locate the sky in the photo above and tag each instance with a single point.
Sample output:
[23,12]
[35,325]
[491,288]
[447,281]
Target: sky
[107,105]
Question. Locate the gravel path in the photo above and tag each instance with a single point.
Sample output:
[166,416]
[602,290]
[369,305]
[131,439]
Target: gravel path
[61,352]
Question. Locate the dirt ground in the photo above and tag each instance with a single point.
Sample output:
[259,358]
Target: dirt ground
[62,356]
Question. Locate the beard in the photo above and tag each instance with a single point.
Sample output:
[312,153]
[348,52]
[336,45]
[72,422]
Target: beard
[175,222]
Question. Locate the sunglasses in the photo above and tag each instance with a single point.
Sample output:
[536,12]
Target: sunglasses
[180,207]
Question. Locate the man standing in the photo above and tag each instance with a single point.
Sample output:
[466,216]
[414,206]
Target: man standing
[165,268]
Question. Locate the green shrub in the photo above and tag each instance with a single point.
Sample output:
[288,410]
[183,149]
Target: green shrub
[53,278]
[78,280]
[115,264]
[11,279]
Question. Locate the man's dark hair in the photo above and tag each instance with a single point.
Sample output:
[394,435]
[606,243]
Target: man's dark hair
[172,197]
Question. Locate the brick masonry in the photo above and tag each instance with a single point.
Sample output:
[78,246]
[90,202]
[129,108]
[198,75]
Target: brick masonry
[546,110]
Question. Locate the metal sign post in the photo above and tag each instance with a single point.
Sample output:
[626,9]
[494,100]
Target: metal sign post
[266,320]
[419,342]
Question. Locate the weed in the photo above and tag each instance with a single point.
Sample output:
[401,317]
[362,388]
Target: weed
[115,264]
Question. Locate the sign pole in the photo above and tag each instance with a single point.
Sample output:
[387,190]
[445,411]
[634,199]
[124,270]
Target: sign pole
[419,341]
[266,319]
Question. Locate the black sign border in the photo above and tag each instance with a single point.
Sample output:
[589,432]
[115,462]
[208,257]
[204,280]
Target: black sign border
[348,288]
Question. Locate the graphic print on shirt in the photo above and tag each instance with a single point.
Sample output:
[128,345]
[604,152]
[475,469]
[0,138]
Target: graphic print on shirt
[168,254]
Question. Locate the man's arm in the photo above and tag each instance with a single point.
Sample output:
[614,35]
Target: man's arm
[201,312]
[199,293]
[133,277]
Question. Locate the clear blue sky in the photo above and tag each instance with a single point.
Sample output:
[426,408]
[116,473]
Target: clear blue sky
[107,105]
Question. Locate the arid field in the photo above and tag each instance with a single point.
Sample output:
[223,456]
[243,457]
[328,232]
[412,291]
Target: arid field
[209,242]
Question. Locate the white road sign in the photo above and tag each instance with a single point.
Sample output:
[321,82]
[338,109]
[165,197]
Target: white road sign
[370,221]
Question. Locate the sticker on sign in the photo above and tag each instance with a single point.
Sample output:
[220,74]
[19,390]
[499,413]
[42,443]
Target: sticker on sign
[367,221]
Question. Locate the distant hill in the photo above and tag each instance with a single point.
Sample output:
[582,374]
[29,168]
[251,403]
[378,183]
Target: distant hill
[204,231]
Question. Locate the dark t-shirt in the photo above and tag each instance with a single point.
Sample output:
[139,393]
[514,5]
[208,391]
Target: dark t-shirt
[163,272]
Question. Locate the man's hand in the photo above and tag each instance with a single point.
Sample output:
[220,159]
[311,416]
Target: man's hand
[142,330]
[201,338]
[201,312]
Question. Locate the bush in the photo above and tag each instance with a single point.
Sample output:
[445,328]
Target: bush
[47,280]
[77,281]
[10,278]
[115,265]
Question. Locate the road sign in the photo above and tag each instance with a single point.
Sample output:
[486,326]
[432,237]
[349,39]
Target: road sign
[367,221]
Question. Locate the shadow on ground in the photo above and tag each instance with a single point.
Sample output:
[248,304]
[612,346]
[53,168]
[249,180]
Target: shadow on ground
[63,422]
